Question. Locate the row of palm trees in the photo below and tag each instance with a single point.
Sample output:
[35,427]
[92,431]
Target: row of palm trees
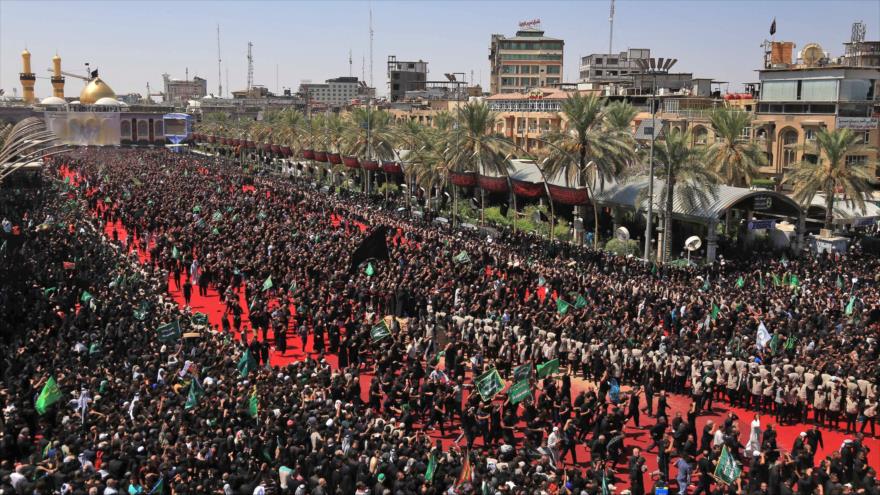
[596,146]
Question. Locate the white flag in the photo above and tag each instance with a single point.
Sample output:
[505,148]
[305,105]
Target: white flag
[763,336]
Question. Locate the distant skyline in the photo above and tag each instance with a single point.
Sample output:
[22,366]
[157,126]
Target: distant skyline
[133,43]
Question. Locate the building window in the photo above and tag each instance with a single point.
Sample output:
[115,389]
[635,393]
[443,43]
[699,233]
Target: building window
[553,69]
[810,134]
[599,73]
[855,160]
[599,62]
[701,136]
[789,148]
[612,61]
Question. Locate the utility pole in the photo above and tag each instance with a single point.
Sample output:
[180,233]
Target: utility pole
[371,44]
[219,81]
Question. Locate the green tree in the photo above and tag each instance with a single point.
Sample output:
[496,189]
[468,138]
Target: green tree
[733,157]
[595,148]
[684,176]
[831,173]
[474,147]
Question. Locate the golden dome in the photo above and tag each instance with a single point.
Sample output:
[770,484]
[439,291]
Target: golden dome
[56,57]
[94,91]
[25,52]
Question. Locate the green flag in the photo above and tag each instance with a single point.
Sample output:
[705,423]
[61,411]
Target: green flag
[432,467]
[48,396]
[541,281]
[267,284]
[169,332]
[580,302]
[794,282]
[199,319]
[140,314]
[195,393]
[519,392]
[379,332]
[462,257]
[246,363]
[774,343]
[49,290]
[605,490]
[715,311]
[369,270]
[562,306]
[727,470]
[790,343]
[197,209]
[158,488]
[548,368]
[761,280]
[522,372]
[776,281]
[174,252]
[851,305]
[254,403]
[740,282]
[217,216]
[706,285]
[653,268]
[85,297]
[839,282]
[489,384]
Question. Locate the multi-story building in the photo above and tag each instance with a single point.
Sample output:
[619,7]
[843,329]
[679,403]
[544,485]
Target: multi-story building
[796,100]
[184,89]
[527,60]
[601,69]
[405,76]
[338,92]
[525,118]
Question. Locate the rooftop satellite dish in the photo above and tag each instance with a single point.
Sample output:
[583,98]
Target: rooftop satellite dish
[812,54]
[693,243]
[621,234]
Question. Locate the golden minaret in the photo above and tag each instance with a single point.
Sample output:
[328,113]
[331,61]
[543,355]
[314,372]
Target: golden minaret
[57,78]
[27,77]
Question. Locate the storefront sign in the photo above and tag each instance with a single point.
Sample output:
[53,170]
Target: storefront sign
[762,202]
[762,224]
[858,123]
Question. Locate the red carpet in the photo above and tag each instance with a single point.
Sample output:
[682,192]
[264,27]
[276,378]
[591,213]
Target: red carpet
[211,306]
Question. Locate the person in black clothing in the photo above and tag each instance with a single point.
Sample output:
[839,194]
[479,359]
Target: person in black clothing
[633,407]
[187,291]
[636,468]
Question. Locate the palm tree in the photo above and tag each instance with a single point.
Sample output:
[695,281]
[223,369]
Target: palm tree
[369,133]
[474,147]
[596,136]
[685,177]
[733,157]
[831,173]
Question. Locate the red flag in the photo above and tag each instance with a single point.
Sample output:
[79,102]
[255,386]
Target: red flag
[542,294]
[528,295]
[466,471]
[555,296]
[69,265]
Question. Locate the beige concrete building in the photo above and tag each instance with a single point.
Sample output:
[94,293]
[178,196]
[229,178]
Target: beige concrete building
[527,60]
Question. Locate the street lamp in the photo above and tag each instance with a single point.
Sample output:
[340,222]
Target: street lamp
[653,67]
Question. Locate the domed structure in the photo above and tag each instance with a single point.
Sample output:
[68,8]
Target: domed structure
[94,91]
[52,101]
[107,101]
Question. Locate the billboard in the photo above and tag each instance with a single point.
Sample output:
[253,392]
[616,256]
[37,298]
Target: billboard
[178,127]
[85,128]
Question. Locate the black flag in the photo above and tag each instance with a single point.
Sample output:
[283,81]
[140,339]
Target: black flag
[373,246]
[94,73]
[504,208]
[773,27]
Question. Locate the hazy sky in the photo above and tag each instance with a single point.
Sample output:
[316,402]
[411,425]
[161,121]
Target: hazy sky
[135,42]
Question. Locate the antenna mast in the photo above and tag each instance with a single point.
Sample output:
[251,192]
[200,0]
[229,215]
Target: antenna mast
[250,59]
[349,62]
[371,44]
[219,76]
[610,27]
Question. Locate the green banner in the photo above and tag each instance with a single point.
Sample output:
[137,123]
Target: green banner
[169,332]
[519,392]
[523,372]
[548,368]
[48,396]
[380,332]
[199,319]
[246,363]
[489,384]
[727,470]
[462,257]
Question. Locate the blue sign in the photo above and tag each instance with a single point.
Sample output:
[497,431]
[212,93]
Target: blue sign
[762,224]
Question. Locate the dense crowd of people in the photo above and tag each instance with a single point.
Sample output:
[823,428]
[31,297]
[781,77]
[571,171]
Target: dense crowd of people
[204,412]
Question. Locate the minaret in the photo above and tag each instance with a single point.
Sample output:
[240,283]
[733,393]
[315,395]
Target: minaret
[27,77]
[57,78]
